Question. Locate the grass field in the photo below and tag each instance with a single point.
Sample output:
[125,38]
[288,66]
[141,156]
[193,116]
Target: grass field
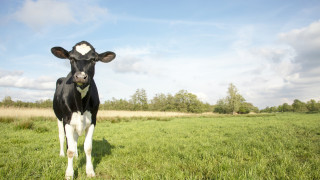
[276,146]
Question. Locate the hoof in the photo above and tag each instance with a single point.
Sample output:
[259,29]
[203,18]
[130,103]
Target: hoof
[62,154]
[90,172]
[69,177]
[69,174]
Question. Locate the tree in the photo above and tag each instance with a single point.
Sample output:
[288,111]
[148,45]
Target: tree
[246,108]
[270,109]
[280,108]
[188,102]
[139,100]
[116,104]
[170,104]
[7,101]
[234,99]
[299,106]
[221,106]
[234,103]
[286,107]
[159,102]
[181,100]
[313,106]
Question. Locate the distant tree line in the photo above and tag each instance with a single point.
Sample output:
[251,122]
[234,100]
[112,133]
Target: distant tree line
[296,106]
[182,101]
[8,102]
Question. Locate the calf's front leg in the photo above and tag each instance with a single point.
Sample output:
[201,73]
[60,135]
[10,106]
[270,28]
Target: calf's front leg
[71,150]
[88,150]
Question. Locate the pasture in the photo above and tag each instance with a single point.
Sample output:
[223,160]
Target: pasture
[262,146]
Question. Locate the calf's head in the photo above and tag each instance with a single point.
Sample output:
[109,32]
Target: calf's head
[83,58]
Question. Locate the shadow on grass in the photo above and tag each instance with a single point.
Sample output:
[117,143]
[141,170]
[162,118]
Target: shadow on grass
[100,149]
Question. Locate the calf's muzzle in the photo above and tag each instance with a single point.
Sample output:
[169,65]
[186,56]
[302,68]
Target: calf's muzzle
[81,78]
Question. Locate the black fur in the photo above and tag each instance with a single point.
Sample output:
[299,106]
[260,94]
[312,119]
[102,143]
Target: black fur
[67,99]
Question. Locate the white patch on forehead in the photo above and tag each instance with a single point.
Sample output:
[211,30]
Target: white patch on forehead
[83,49]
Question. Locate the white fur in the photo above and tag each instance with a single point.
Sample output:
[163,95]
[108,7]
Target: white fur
[75,138]
[78,124]
[84,91]
[61,137]
[71,148]
[83,49]
[88,149]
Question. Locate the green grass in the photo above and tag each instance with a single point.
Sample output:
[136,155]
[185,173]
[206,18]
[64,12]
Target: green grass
[278,146]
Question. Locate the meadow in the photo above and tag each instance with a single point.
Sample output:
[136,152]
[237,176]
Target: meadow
[260,146]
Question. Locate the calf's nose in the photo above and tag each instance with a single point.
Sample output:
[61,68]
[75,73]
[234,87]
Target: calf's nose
[81,77]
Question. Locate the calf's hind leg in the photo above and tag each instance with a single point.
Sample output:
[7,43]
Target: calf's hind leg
[75,138]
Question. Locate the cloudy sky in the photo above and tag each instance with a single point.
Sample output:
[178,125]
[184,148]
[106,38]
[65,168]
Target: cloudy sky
[269,49]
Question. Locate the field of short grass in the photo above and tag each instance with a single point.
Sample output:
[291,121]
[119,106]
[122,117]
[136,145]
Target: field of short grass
[263,146]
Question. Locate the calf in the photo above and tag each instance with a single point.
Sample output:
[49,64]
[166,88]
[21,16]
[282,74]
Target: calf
[76,100]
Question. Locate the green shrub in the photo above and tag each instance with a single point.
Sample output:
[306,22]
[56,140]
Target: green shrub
[24,124]
[7,119]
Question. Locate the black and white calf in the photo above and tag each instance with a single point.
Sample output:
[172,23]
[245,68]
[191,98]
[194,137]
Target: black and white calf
[76,100]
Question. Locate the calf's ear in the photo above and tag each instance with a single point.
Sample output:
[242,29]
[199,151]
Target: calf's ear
[107,56]
[59,52]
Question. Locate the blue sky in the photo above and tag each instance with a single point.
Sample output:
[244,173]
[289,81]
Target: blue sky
[268,49]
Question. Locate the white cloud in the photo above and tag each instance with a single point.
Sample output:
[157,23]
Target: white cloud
[287,70]
[92,13]
[274,54]
[43,13]
[4,73]
[38,14]
[273,78]
[137,60]
[129,64]
[17,80]
[304,40]
[306,43]
[26,96]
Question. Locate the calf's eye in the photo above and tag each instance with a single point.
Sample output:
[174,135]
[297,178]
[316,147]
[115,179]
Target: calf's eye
[72,59]
[93,60]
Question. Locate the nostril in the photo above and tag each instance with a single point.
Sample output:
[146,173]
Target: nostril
[81,77]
